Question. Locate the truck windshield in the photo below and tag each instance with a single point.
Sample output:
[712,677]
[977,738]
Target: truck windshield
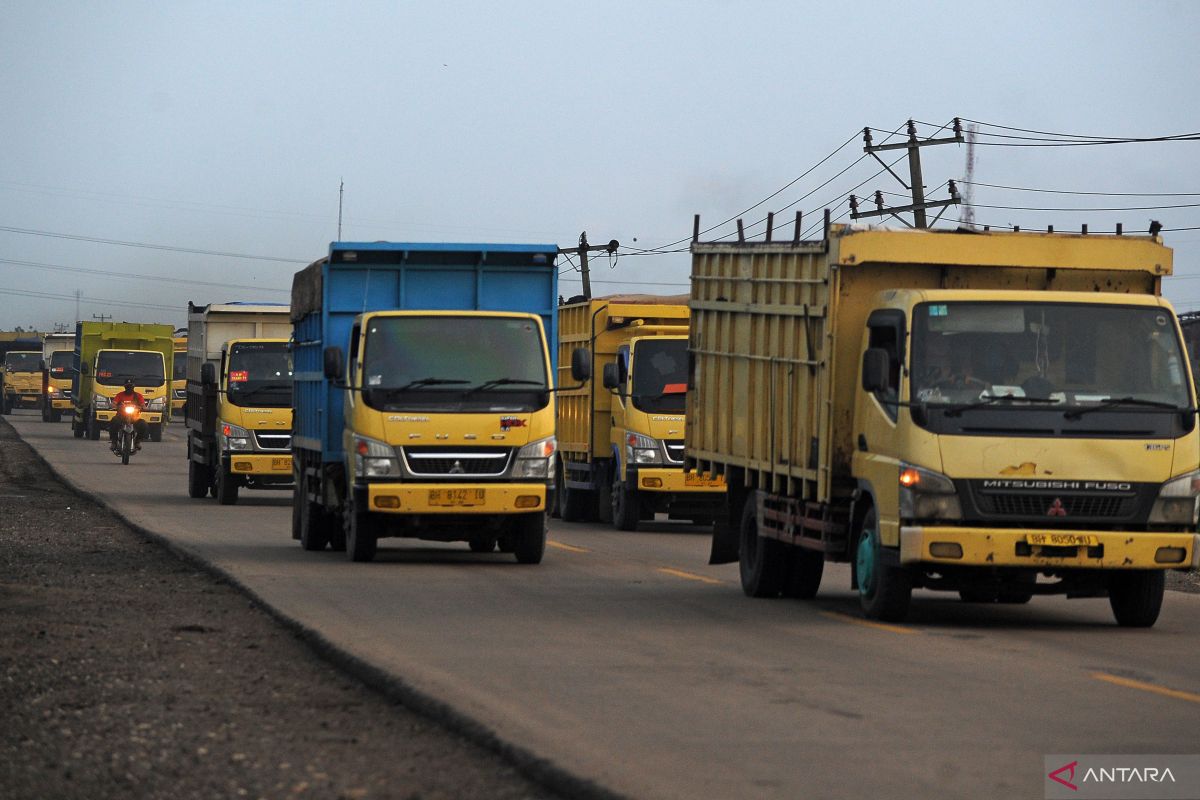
[1049,368]
[60,363]
[454,363]
[114,367]
[660,375]
[23,362]
[260,375]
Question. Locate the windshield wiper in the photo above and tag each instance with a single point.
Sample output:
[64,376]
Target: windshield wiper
[957,410]
[1113,402]
[499,382]
[418,384]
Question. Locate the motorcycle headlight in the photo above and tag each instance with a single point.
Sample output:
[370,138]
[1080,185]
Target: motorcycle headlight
[534,459]
[925,494]
[235,437]
[374,459]
[641,449]
[101,402]
[1177,501]
[157,404]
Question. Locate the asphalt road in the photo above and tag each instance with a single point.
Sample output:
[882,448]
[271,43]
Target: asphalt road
[626,659]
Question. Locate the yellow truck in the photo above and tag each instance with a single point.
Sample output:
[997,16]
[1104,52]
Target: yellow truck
[179,375]
[239,403]
[108,354]
[620,445]
[1001,414]
[22,380]
[57,367]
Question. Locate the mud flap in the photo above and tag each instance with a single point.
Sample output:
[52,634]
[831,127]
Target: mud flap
[724,542]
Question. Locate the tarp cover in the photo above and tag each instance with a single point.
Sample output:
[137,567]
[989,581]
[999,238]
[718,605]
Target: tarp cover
[306,290]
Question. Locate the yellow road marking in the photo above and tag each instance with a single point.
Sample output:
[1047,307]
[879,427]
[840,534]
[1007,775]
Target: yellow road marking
[572,548]
[866,623]
[1129,683]
[691,576]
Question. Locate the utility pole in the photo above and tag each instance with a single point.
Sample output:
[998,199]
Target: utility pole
[582,251]
[78,295]
[916,183]
[341,192]
[102,317]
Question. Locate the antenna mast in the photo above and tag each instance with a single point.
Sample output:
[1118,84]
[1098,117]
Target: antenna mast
[968,205]
[341,191]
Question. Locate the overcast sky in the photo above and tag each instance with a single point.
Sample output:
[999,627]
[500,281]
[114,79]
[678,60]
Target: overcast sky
[227,126]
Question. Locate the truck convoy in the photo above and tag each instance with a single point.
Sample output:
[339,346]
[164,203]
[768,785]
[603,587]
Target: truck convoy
[22,380]
[423,396]
[108,353]
[998,414]
[58,353]
[239,399]
[620,445]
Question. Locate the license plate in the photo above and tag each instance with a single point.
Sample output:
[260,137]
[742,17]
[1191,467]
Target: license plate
[457,497]
[1062,539]
[281,463]
[692,479]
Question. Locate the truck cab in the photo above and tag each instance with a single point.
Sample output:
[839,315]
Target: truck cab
[111,368]
[179,377]
[58,365]
[22,380]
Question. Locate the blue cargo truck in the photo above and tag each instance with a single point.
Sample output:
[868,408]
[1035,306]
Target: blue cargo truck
[424,396]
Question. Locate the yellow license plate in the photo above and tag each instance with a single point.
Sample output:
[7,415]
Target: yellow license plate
[281,463]
[457,497]
[692,479]
[1062,539]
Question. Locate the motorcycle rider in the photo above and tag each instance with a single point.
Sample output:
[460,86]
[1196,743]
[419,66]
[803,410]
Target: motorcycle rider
[126,396]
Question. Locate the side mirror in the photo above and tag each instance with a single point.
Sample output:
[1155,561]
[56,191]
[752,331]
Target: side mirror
[208,374]
[335,365]
[875,370]
[612,376]
[581,364]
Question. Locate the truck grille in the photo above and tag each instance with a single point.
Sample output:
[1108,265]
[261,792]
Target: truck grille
[674,450]
[465,461]
[273,441]
[1025,505]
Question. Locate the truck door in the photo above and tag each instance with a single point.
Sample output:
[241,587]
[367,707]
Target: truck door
[876,433]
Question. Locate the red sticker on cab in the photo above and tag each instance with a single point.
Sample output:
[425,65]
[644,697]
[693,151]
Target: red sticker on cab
[239,376]
[675,388]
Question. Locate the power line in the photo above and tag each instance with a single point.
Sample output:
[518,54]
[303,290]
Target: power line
[1091,194]
[93,300]
[96,240]
[136,276]
[1118,139]
[1125,208]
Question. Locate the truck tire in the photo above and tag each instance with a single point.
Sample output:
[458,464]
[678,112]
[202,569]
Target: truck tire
[576,505]
[198,480]
[155,432]
[804,574]
[762,562]
[1136,596]
[227,487]
[529,538]
[76,430]
[884,591]
[626,507]
[5,407]
[555,503]
[55,415]
[362,538]
[94,429]
[314,522]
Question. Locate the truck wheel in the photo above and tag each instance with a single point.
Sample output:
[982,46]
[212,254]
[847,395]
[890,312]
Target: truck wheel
[529,538]
[155,432]
[604,501]
[362,540]
[94,430]
[804,574]
[884,592]
[198,480]
[626,505]
[762,562]
[5,407]
[56,415]
[1136,596]
[556,503]
[227,487]
[575,505]
[314,522]
[76,430]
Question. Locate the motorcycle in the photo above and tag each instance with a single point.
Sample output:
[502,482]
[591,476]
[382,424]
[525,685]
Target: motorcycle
[127,437]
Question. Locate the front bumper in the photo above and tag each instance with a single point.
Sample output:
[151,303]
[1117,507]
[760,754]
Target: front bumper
[676,481]
[241,463]
[456,498]
[992,547]
[24,398]
[148,417]
[57,403]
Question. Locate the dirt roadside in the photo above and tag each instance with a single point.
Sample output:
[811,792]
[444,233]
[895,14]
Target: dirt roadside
[129,673]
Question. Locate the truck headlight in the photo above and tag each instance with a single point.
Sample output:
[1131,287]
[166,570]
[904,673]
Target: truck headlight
[1177,501]
[535,458]
[157,404]
[235,437]
[641,449]
[925,494]
[374,459]
[101,402]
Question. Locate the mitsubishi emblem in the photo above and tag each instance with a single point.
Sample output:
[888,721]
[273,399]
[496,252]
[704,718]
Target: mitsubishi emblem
[1056,508]
[457,469]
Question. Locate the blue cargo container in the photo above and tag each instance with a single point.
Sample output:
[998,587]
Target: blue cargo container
[358,277]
